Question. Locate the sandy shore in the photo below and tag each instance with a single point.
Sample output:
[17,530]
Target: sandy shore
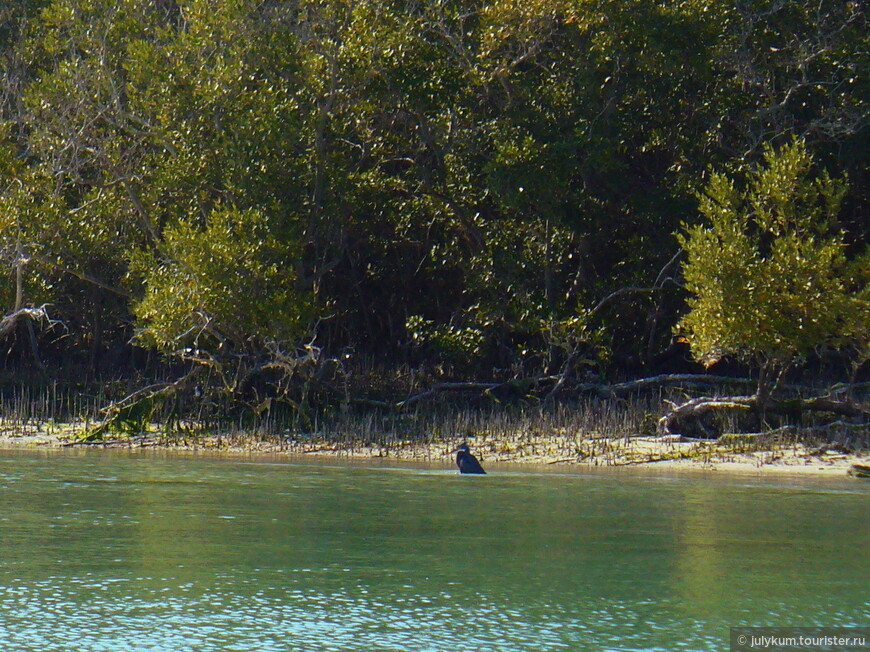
[742,455]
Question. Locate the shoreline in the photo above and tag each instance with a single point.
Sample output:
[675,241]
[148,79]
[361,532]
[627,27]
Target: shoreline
[674,453]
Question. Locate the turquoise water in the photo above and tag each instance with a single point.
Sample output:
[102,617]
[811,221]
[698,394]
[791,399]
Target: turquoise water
[103,551]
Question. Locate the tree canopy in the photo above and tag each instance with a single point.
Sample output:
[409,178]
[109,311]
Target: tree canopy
[490,186]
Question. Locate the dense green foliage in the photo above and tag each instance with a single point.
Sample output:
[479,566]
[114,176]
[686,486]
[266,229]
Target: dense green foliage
[492,185]
[768,276]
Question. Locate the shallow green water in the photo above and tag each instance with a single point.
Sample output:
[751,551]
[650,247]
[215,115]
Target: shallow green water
[115,552]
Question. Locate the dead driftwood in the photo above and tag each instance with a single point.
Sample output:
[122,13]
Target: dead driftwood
[519,388]
[528,387]
[697,408]
[535,386]
[663,380]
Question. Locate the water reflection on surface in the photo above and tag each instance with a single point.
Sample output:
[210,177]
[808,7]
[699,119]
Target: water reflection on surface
[115,552]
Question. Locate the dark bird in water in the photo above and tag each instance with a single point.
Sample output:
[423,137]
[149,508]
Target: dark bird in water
[467,462]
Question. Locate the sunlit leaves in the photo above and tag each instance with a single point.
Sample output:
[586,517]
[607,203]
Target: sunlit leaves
[768,273]
[229,283]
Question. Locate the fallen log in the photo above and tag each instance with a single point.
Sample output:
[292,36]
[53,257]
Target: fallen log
[698,407]
[672,379]
[534,385]
[449,387]
[522,386]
